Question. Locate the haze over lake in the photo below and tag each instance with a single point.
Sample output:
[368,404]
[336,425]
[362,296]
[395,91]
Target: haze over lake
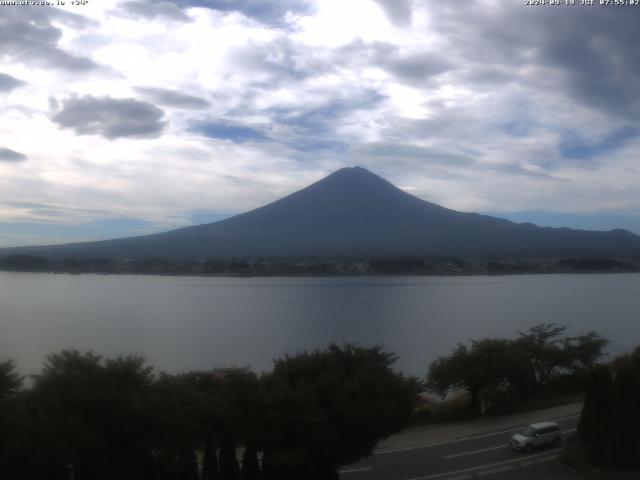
[181,323]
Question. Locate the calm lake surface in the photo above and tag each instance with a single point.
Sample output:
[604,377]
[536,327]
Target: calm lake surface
[181,323]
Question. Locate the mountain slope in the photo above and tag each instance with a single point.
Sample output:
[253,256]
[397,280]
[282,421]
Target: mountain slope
[353,212]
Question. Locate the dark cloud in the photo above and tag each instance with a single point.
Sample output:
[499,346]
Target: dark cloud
[225,131]
[315,120]
[110,117]
[8,155]
[150,10]
[171,98]
[588,54]
[416,68]
[412,68]
[598,58]
[487,75]
[266,11]
[400,12]
[284,62]
[7,82]
[28,35]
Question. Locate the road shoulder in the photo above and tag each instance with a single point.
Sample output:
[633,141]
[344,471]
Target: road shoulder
[446,432]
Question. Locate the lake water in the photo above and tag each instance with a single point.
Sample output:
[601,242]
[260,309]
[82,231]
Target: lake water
[181,323]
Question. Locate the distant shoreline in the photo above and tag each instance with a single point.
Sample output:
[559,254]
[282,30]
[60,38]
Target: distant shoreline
[323,275]
[324,267]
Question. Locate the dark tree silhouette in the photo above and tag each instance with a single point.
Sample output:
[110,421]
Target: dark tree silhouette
[250,464]
[91,416]
[210,459]
[522,367]
[187,465]
[329,408]
[10,385]
[477,369]
[229,468]
[610,417]
[24,263]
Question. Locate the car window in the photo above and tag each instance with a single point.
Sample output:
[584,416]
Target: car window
[547,430]
[528,432]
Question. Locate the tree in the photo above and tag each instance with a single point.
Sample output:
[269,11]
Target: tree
[491,369]
[482,369]
[329,408]
[549,355]
[187,464]
[177,429]
[229,468]
[10,385]
[583,352]
[24,263]
[227,407]
[250,464]
[543,347]
[10,381]
[210,459]
[96,418]
[91,416]
[610,416]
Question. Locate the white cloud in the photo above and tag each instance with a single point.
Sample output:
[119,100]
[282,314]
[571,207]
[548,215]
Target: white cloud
[464,104]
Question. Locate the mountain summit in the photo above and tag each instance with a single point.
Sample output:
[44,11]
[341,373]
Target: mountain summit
[352,212]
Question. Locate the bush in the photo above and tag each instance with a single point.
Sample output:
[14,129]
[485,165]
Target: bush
[575,455]
[610,416]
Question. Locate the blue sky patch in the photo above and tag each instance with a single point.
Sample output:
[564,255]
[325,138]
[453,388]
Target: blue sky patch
[35,233]
[594,221]
[200,217]
[224,131]
[574,148]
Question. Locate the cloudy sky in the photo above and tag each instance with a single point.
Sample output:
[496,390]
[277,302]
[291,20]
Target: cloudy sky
[126,117]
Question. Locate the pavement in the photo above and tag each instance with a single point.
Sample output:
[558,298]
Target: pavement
[555,470]
[465,450]
[452,431]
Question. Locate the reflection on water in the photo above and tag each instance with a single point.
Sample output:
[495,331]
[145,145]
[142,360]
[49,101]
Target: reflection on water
[182,323]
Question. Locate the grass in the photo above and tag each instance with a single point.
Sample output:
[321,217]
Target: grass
[456,408]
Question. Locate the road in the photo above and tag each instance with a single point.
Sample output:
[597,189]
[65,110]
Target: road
[478,456]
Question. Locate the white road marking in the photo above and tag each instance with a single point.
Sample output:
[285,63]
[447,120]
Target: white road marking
[481,467]
[489,449]
[355,470]
[448,442]
[496,470]
[465,439]
[498,447]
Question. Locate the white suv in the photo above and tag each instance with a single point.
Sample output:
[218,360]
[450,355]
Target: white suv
[537,435]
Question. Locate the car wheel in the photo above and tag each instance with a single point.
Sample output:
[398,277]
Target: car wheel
[527,448]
